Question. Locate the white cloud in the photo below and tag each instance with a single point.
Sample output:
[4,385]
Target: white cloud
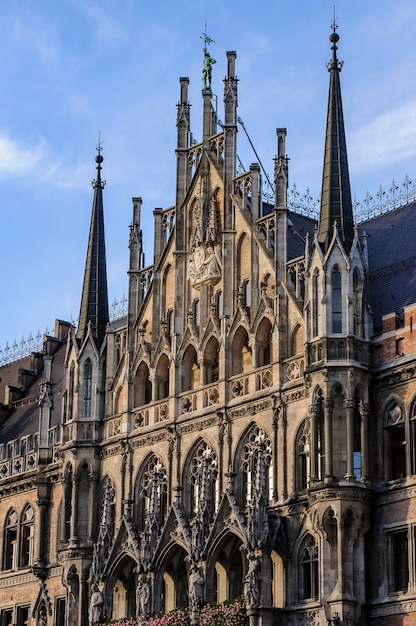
[18,159]
[389,138]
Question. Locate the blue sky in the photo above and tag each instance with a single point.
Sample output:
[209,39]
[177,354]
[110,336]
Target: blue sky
[72,68]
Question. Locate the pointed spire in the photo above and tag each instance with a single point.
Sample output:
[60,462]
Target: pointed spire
[94,302]
[336,204]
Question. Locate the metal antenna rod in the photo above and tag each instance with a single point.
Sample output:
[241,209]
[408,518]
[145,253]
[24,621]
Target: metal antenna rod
[240,121]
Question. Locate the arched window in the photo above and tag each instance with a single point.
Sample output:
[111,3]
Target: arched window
[162,377]
[240,352]
[190,370]
[308,566]
[153,496]
[315,303]
[395,439]
[264,343]
[27,529]
[356,304]
[87,387]
[256,465]
[212,361]
[204,481]
[303,451]
[336,300]
[71,390]
[143,386]
[10,541]
[296,345]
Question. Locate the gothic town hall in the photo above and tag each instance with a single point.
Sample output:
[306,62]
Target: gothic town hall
[248,428]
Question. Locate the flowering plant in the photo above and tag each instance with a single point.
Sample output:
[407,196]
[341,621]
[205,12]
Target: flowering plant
[228,613]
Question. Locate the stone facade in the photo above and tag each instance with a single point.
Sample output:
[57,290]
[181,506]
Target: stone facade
[247,429]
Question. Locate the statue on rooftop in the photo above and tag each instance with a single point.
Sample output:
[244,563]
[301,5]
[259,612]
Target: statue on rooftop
[207,70]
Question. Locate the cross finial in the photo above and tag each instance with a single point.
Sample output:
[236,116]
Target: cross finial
[205,38]
[334,23]
[99,145]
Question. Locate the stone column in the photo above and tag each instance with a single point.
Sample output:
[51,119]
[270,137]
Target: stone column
[364,412]
[313,412]
[349,408]
[328,406]
[73,540]
[66,483]
[92,506]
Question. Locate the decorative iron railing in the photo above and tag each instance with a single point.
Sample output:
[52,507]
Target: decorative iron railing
[383,201]
[34,343]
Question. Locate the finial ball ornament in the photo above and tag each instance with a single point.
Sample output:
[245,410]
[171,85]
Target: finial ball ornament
[99,158]
[334,37]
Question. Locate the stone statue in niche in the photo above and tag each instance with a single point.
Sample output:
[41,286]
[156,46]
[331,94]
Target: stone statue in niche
[96,606]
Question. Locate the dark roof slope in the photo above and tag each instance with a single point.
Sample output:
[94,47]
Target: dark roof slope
[392,261]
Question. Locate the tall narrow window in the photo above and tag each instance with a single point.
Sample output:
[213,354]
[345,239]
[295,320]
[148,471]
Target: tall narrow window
[256,466]
[87,388]
[26,537]
[10,541]
[22,616]
[400,561]
[315,303]
[204,481]
[336,301]
[309,568]
[303,450]
[357,445]
[7,617]
[60,612]
[356,304]
[71,392]
[152,497]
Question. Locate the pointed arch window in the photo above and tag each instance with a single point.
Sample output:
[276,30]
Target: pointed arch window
[10,541]
[315,303]
[256,466]
[204,481]
[303,453]
[27,529]
[336,300]
[395,438]
[308,565]
[87,387]
[356,305]
[153,491]
[71,390]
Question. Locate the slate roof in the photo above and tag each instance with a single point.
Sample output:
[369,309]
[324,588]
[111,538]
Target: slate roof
[392,261]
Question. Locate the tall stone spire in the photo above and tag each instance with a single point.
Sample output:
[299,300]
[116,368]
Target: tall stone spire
[94,302]
[336,205]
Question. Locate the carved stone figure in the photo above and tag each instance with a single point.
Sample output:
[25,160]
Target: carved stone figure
[196,584]
[143,596]
[96,606]
[252,582]
[204,265]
